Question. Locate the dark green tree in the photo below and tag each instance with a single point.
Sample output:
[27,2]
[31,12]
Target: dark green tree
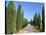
[10,17]
[35,20]
[25,23]
[22,19]
[38,20]
[19,19]
[31,22]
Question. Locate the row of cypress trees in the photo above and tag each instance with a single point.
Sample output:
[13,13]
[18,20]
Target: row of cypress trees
[14,19]
[38,21]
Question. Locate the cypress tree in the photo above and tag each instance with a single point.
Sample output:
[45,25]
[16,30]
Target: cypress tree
[25,23]
[31,22]
[11,17]
[35,20]
[38,20]
[22,19]
[19,20]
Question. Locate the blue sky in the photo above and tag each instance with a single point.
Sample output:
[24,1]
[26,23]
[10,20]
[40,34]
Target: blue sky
[29,8]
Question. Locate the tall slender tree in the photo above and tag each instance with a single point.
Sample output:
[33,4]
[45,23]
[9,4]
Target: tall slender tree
[39,20]
[35,20]
[31,22]
[19,20]
[10,17]
[22,19]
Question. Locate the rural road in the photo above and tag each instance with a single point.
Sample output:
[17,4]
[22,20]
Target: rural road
[29,28]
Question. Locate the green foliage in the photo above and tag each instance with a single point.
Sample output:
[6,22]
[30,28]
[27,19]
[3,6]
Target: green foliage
[31,22]
[19,19]
[25,23]
[35,20]
[22,19]
[14,20]
[39,20]
[11,17]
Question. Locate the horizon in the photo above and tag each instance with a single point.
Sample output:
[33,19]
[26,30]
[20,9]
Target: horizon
[29,8]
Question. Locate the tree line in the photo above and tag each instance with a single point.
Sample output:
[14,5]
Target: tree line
[14,19]
[39,21]
[36,20]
